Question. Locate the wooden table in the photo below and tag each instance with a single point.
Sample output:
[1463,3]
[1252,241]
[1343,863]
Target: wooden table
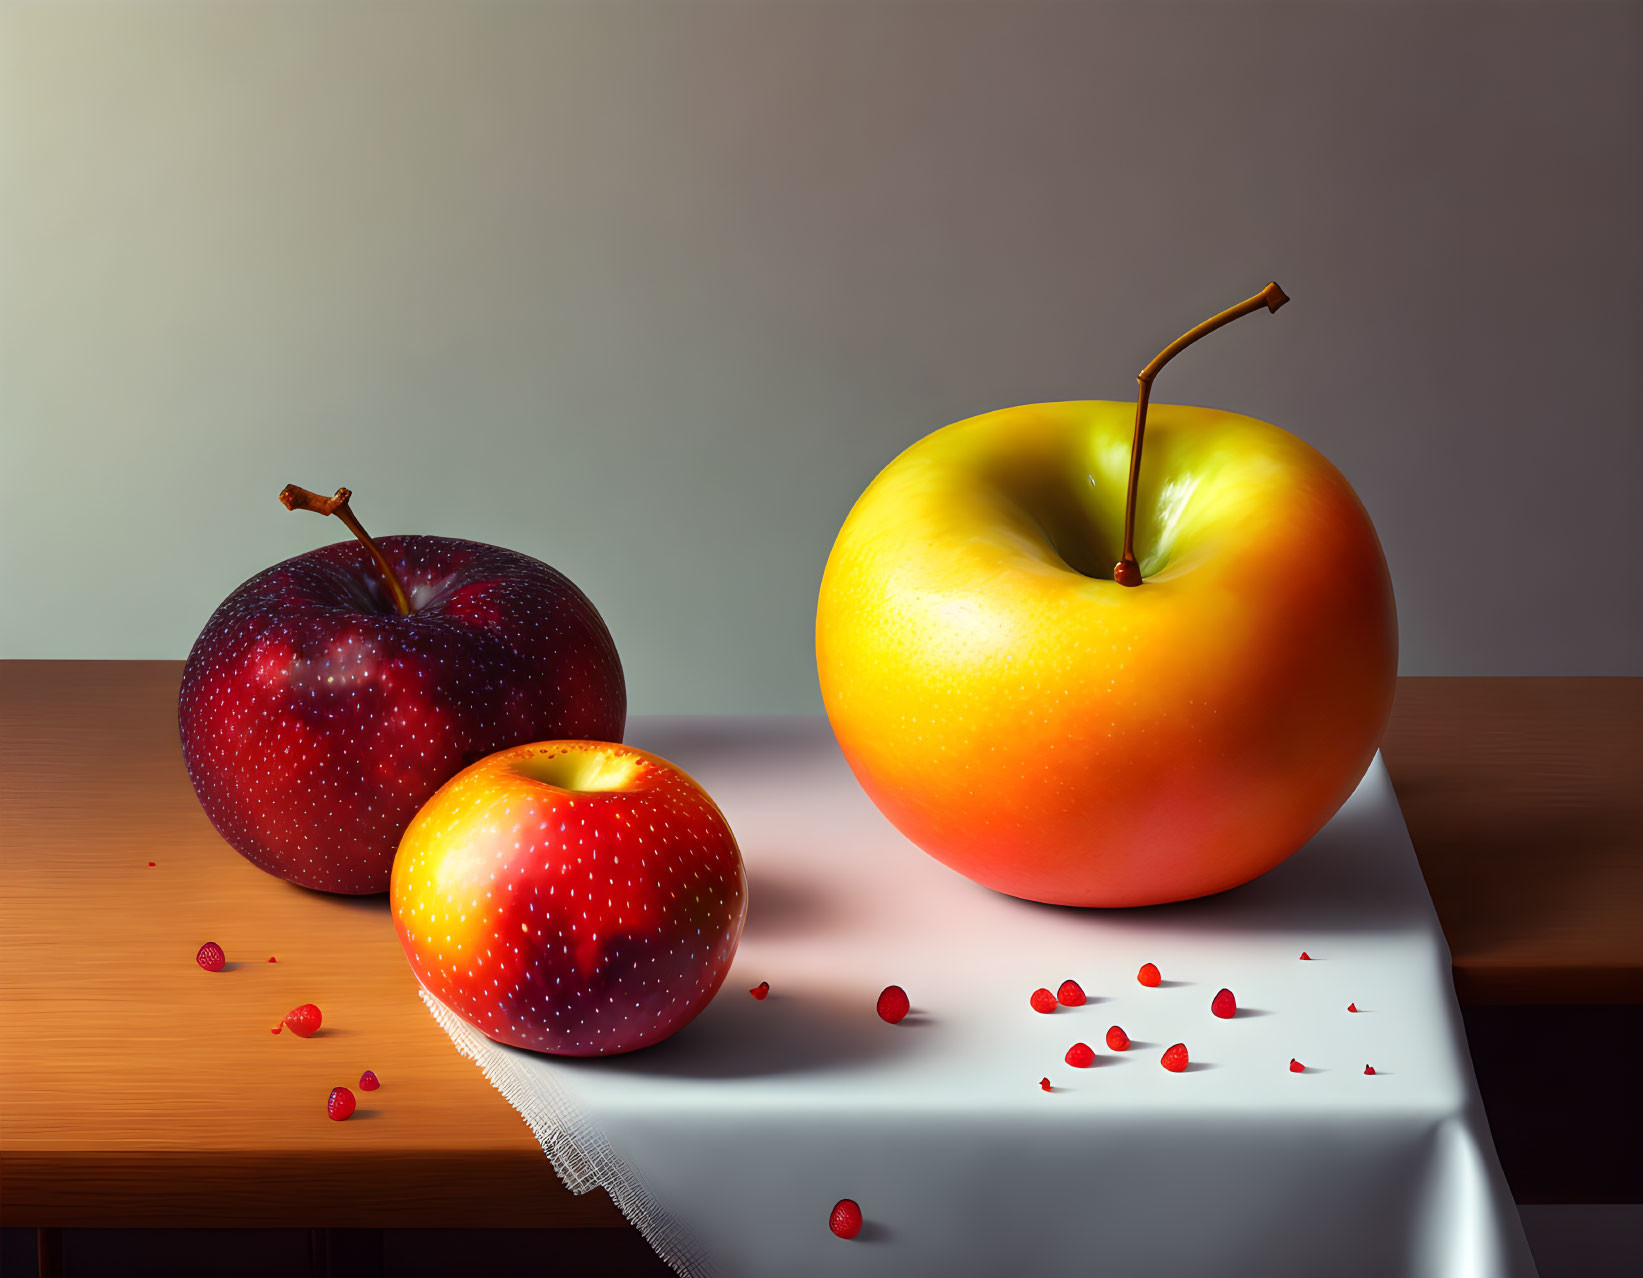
[1524,799]
[138,1090]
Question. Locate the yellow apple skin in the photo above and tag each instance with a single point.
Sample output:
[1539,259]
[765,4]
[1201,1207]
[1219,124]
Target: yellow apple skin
[1051,734]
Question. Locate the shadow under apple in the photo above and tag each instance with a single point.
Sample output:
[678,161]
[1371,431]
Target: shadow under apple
[780,905]
[787,1033]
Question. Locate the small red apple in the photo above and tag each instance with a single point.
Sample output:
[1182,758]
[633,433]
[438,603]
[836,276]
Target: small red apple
[330,695]
[580,898]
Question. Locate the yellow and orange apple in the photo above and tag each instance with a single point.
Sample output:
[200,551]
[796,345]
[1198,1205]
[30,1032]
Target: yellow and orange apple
[1053,734]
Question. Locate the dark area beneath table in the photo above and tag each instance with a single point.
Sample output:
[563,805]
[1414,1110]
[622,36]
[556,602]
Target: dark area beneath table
[1559,1084]
[328,1253]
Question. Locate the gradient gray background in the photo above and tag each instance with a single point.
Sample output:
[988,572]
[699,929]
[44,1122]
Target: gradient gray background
[652,290]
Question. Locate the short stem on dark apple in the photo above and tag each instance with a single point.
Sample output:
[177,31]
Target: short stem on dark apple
[1127,572]
[295,498]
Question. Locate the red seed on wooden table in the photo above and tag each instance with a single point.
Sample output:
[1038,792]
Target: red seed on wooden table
[1149,975]
[151,863]
[1224,1005]
[210,957]
[846,1218]
[760,990]
[1118,1040]
[1043,1001]
[1071,994]
[272,959]
[1080,1056]
[1175,1058]
[893,1005]
[1295,1066]
[368,1082]
[339,1104]
[303,1021]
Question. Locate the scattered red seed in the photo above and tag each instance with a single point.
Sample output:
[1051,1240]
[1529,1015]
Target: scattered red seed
[303,1021]
[1295,1066]
[339,1104]
[1117,1040]
[1071,994]
[1305,956]
[893,1007]
[761,990]
[1224,1005]
[1044,1084]
[1043,1001]
[1080,1056]
[1149,975]
[210,957]
[1368,1069]
[272,959]
[846,1218]
[1175,1058]
[368,1082]
[1351,1007]
[151,863]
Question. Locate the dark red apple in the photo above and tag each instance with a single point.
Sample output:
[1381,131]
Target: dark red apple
[329,696]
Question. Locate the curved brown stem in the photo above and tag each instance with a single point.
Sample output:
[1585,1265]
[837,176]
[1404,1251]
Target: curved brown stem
[295,498]
[1127,572]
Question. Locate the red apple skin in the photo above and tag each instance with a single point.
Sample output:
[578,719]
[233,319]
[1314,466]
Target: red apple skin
[316,720]
[572,897]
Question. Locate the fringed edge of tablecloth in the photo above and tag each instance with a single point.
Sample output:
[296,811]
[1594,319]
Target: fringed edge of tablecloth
[576,1147]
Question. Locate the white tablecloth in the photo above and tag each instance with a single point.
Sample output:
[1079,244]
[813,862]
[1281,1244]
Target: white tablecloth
[729,1144]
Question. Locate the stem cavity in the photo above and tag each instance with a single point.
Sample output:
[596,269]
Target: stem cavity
[295,498]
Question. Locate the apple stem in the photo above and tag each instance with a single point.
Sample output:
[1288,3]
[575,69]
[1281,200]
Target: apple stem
[1127,572]
[295,498]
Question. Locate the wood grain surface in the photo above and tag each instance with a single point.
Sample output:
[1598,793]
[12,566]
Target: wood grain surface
[1524,799]
[138,1090]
